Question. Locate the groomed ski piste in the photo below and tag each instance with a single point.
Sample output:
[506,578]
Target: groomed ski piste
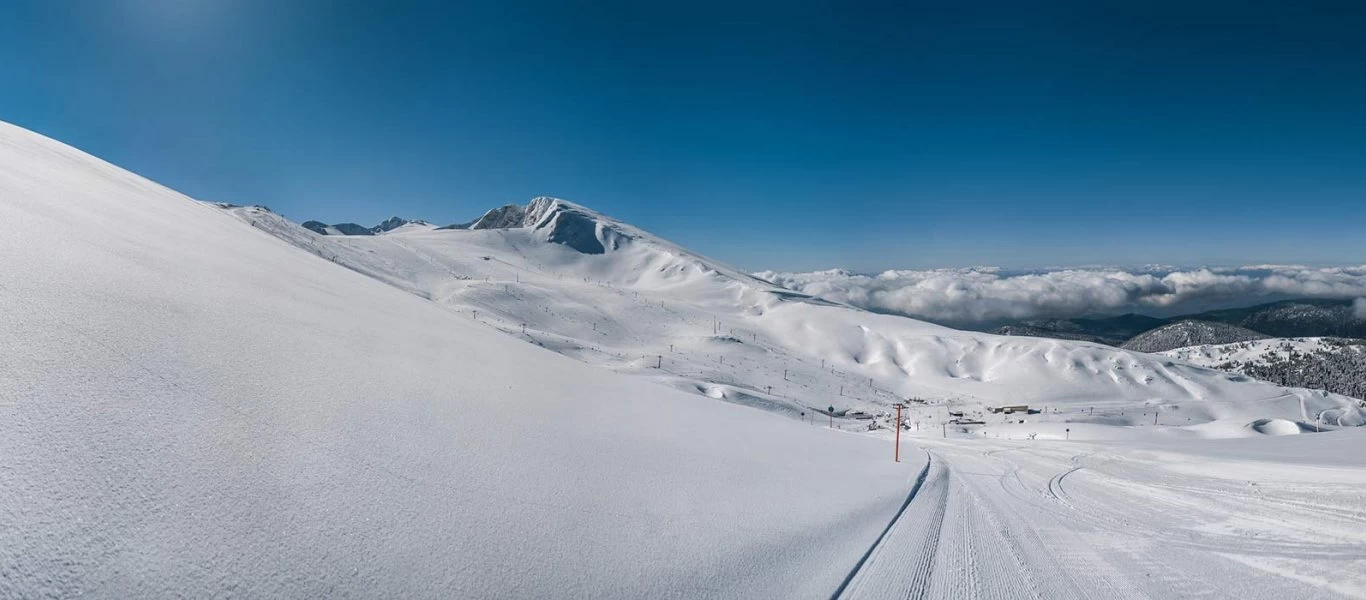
[200,400]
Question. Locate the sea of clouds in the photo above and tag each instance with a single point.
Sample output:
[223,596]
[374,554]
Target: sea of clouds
[984,294]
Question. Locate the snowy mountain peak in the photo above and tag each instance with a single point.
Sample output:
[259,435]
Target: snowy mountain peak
[401,225]
[559,221]
[510,216]
[572,225]
[390,224]
[503,217]
[541,207]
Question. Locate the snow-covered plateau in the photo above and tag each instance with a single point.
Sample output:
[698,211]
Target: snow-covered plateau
[202,399]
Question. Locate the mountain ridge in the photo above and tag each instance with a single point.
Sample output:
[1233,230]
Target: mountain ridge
[1332,364]
[646,306]
[1307,317]
[1190,332]
[385,226]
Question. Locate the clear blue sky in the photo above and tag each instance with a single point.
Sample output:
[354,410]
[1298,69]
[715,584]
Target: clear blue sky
[789,135]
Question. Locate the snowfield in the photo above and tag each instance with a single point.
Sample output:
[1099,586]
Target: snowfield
[208,400]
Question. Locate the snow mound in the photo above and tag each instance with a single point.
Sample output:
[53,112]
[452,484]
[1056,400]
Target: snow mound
[1278,427]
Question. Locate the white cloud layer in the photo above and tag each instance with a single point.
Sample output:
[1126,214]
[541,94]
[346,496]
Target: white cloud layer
[986,293]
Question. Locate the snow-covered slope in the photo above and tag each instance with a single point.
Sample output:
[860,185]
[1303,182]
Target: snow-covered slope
[1251,351]
[570,279]
[1333,364]
[1190,333]
[190,407]
[1302,318]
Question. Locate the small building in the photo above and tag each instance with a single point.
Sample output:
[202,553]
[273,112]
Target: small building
[955,413]
[1011,409]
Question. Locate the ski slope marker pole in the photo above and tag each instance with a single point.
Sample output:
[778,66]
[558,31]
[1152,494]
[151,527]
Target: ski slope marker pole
[899,406]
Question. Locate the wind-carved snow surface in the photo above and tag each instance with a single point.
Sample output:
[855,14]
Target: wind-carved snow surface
[192,406]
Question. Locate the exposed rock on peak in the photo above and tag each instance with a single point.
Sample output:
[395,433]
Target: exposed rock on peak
[503,217]
[561,222]
[389,224]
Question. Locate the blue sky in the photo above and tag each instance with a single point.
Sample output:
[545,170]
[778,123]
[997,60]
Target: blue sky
[788,136]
